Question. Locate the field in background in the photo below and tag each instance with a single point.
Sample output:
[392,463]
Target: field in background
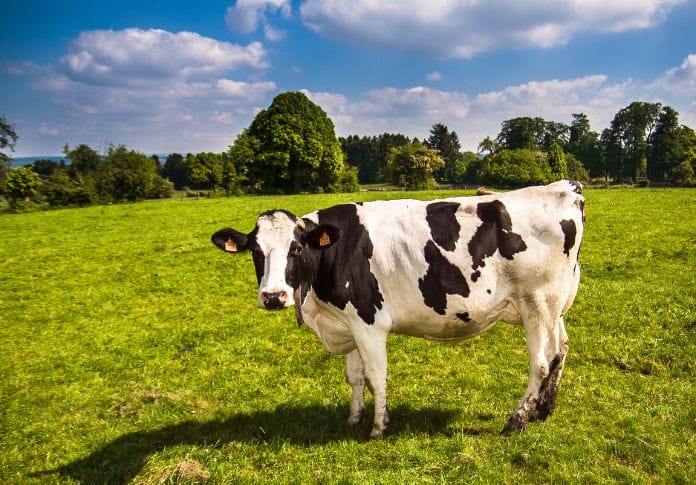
[132,351]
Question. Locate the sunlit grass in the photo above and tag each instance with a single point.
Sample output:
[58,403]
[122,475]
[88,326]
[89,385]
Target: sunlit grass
[131,345]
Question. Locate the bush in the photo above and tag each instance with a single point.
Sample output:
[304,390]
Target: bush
[412,166]
[515,168]
[684,175]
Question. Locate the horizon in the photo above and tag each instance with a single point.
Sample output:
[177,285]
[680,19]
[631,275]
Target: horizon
[172,77]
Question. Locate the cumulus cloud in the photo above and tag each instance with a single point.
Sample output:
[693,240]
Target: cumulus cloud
[133,55]
[245,17]
[680,80]
[462,29]
[134,83]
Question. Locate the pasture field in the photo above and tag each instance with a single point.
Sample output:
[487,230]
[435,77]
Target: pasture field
[132,352]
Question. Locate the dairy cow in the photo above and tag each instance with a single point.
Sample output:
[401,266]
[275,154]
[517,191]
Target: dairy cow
[442,270]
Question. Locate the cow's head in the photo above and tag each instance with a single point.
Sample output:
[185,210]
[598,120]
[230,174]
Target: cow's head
[282,246]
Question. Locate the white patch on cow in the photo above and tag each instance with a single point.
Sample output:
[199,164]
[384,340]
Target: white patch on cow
[274,237]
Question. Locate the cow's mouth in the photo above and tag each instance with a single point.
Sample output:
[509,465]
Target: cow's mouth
[276,300]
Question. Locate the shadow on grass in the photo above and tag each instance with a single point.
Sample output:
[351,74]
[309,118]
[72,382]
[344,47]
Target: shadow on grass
[122,459]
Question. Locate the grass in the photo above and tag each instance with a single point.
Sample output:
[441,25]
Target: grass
[132,352]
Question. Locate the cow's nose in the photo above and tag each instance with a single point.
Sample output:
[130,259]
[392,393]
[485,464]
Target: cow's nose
[274,300]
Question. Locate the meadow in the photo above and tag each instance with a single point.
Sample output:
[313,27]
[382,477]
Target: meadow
[132,352]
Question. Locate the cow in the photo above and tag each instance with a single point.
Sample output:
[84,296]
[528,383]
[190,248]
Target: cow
[443,270]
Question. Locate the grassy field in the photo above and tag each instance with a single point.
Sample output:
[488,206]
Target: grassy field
[131,351]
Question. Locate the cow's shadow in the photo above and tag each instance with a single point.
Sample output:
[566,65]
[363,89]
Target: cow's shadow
[122,459]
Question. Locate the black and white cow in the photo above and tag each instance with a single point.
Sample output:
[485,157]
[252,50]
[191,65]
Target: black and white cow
[442,270]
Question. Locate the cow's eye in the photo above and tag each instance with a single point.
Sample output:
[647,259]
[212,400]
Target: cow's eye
[296,249]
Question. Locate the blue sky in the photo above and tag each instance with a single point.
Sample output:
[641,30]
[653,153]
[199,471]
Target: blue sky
[176,76]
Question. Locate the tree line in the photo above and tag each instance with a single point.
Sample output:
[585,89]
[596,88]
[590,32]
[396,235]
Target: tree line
[291,147]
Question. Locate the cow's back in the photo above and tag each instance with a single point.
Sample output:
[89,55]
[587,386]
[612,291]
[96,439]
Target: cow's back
[451,268]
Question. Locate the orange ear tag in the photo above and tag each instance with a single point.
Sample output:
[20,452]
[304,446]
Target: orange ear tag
[324,240]
[230,246]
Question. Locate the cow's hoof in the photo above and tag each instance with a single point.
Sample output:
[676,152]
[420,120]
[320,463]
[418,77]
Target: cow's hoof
[377,433]
[357,418]
[516,423]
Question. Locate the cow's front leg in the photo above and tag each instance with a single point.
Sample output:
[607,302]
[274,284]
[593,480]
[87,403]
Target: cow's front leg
[372,346]
[355,376]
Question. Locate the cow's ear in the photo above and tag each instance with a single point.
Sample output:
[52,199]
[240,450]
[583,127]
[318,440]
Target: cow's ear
[230,241]
[323,236]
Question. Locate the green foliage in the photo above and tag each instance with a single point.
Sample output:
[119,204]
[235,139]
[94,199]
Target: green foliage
[131,348]
[83,159]
[297,150]
[204,170]
[369,154]
[515,168]
[447,145]
[127,175]
[557,162]
[21,184]
[61,190]
[8,139]
[413,166]
[175,171]
[684,174]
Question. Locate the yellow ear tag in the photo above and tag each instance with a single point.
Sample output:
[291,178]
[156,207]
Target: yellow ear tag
[324,240]
[230,246]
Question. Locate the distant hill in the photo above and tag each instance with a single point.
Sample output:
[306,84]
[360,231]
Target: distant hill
[22,161]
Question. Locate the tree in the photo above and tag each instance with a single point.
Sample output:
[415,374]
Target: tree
[665,150]
[522,132]
[557,162]
[515,168]
[584,145]
[412,166]
[633,126]
[83,159]
[204,170]
[127,175]
[175,170]
[8,139]
[448,146]
[297,148]
[489,145]
[21,184]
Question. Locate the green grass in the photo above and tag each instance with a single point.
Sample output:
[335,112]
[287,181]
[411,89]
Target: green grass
[130,346]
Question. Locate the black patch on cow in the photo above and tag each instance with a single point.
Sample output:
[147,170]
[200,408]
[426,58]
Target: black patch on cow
[442,279]
[464,316]
[475,275]
[444,226]
[495,234]
[341,273]
[569,232]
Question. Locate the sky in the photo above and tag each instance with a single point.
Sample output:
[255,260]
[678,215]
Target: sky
[188,76]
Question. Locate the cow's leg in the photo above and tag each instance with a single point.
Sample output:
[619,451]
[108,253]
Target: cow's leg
[355,376]
[548,346]
[372,346]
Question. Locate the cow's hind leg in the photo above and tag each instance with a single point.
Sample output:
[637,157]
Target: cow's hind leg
[355,376]
[548,346]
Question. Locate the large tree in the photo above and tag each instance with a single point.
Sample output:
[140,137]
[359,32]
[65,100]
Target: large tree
[633,126]
[297,148]
[8,139]
[447,144]
[583,143]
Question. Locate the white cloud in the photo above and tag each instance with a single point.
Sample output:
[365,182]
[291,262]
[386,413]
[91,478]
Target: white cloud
[680,80]
[462,29]
[151,89]
[435,76]
[245,16]
[131,56]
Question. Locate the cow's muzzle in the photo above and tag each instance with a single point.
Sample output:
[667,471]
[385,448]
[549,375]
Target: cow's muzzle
[275,300]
